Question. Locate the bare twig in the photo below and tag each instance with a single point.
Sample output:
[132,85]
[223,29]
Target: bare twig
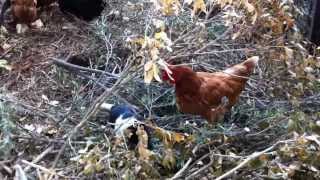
[185,167]
[200,170]
[91,111]
[60,141]
[28,107]
[42,168]
[104,87]
[38,158]
[73,67]
[213,52]
[250,158]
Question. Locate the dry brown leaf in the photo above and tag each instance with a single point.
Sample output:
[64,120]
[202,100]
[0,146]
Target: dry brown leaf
[198,6]
[139,41]
[178,137]
[236,35]
[254,17]
[144,152]
[148,72]
[154,53]
[289,53]
[170,138]
[169,160]
[156,73]
[164,42]
[250,8]
[222,3]
[151,71]
[167,7]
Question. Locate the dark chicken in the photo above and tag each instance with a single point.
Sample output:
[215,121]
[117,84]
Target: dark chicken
[25,11]
[44,3]
[83,9]
[209,94]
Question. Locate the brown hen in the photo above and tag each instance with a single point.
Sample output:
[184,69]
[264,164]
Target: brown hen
[209,94]
[24,11]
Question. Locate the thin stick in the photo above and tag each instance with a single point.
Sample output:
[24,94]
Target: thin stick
[29,107]
[41,168]
[72,68]
[184,168]
[63,63]
[200,170]
[60,141]
[250,158]
[91,111]
[38,158]
[212,52]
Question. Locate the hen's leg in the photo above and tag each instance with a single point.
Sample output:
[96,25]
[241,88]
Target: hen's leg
[217,114]
[21,28]
[232,101]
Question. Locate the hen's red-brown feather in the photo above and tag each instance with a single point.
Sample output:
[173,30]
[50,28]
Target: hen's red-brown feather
[201,93]
[24,11]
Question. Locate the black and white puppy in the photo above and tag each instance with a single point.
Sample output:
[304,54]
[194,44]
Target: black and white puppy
[122,118]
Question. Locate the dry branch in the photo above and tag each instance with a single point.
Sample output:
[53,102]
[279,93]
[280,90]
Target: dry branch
[73,67]
[39,158]
[91,111]
[28,107]
[185,167]
[250,158]
[42,168]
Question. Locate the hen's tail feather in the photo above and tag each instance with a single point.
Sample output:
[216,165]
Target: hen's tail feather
[245,68]
[251,63]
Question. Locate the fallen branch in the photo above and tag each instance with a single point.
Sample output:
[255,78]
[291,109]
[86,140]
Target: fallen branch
[192,176]
[250,158]
[92,110]
[28,108]
[185,167]
[73,67]
[48,171]
[45,139]
[39,158]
